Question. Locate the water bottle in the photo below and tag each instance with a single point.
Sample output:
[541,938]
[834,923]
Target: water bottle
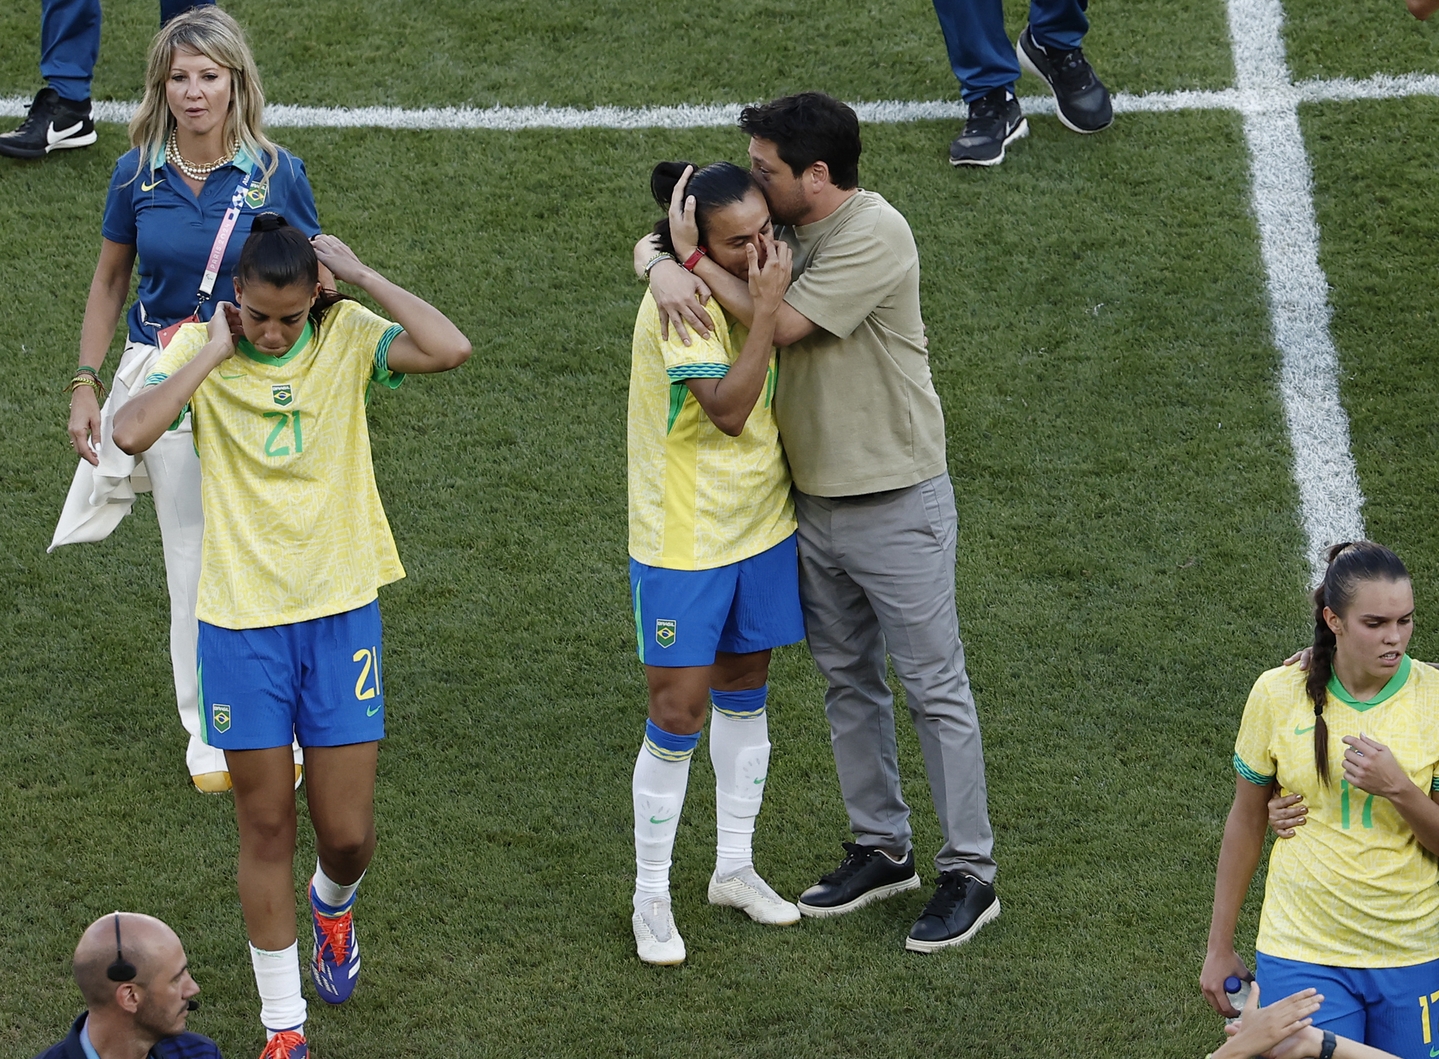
[1237,990]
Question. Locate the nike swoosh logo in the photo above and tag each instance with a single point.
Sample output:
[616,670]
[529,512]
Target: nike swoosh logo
[1305,731]
[761,779]
[151,187]
[664,821]
[1433,1052]
[371,711]
[54,135]
[224,376]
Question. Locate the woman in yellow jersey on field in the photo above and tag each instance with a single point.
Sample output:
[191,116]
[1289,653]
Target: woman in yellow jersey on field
[296,545]
[1351,904]
[714,575]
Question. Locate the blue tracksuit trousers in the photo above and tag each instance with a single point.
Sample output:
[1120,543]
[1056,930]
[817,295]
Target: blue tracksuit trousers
[980,52]
[70,41]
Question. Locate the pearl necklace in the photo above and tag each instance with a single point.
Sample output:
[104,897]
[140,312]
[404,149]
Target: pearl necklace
[196,171]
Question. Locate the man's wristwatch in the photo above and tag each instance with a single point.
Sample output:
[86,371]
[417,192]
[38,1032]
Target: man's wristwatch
[1326,1050]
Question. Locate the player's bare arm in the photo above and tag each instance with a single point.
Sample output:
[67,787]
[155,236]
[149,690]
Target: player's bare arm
[430,342]
[790,325]
[1238,859]
[729,401]
[108,290]
[147,415]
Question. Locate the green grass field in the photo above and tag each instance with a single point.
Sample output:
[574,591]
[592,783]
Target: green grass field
[1130,550]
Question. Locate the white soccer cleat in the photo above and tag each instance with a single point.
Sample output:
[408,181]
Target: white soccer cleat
[745,890]
[656,937]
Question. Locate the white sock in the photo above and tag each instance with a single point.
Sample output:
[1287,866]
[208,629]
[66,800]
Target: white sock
[659,796]
[331,893]
[277,977]
[739,750]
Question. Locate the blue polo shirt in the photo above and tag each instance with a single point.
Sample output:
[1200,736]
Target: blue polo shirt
[173,231]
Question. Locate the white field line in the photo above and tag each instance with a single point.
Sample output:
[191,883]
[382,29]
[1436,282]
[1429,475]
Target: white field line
[511,119]
[1298,290]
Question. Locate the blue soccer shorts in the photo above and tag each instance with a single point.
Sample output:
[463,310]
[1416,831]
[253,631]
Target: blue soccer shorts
[683,617]
[317,681]
[1394,1009]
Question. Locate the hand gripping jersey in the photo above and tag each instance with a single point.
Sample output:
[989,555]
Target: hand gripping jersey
[1353,887]
[294,528]
[698,498]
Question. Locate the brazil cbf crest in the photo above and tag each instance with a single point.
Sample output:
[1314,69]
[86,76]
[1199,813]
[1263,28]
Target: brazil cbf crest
[220,717]
[282,393]
[257,196]
[665,632]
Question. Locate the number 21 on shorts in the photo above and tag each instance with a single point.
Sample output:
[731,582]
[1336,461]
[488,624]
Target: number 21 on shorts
[367,682]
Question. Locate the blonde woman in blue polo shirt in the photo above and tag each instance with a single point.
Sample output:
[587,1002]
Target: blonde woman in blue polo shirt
[200,157]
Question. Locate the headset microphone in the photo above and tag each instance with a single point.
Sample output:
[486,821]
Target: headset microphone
[121,969]
[192,1004]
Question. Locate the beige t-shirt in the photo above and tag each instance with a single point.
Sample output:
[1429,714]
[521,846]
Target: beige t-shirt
[855,403]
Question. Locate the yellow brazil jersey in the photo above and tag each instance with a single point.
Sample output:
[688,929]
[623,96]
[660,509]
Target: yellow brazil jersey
[698,498]
[294,528]
[1353,887]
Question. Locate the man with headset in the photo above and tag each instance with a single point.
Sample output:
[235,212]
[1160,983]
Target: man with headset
[132,972]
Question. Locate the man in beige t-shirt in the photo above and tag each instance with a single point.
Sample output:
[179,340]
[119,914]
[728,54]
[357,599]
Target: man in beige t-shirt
[864,432]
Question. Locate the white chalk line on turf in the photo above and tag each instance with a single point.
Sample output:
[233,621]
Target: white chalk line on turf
[1298,290]
[513,119]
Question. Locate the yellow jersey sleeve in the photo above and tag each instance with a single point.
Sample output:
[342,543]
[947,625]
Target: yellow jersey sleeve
[1254,748]
[368,334]
[703,358]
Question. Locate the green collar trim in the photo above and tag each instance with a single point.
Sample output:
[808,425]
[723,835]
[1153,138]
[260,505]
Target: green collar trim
[1397,681]
[244,346]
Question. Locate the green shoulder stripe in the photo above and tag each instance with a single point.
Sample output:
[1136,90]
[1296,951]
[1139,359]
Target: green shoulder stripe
[381,372]
[697,371]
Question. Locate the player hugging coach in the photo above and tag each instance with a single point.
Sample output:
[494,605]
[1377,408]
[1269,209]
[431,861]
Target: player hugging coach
[714,578]
[296,546]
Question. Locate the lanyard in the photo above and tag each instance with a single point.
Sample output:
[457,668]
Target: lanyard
[222,240]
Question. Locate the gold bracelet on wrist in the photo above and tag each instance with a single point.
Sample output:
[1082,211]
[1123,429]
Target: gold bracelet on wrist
[86,379]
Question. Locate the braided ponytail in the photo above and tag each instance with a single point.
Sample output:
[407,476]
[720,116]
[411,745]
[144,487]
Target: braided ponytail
[1350,564]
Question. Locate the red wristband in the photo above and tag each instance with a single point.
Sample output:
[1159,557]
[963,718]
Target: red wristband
[694,259]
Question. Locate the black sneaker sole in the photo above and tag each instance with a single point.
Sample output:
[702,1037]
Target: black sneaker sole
[879,893]
[1030,66]
[989,915]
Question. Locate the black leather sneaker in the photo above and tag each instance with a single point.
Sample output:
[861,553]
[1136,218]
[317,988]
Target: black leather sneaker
[995,121]
[52,124]
[865,875]
[1080,97]
[960,906]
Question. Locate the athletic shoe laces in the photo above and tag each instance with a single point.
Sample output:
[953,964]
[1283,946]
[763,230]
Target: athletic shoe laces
[336,937]
[989,107]
[855,858]
[950,894]
[284,1045]
[1071,70]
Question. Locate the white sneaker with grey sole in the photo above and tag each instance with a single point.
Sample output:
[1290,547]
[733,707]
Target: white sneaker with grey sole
[745,890]
[656,937]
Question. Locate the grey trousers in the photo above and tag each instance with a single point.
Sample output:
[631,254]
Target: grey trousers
[877,574]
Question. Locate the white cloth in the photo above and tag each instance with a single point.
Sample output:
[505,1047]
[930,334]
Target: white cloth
[739,751]
[659,794]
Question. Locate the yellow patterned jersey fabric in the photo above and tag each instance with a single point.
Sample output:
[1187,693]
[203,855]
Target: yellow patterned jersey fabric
[698,498]
[1353,887]
[294,527]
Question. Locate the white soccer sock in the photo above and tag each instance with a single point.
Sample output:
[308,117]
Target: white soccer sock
[739,750]
[659,796]
[331,893]
[277,977]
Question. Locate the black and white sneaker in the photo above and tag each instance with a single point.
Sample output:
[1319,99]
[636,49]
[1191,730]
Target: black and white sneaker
[1080,97]
[960,906]
[53,124]
[865,875]
[995,121]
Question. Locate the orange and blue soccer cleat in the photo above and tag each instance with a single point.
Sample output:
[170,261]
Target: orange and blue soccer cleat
[287,1044]
[335,967]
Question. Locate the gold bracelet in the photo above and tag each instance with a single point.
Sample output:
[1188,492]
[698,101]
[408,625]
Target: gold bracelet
[86,379]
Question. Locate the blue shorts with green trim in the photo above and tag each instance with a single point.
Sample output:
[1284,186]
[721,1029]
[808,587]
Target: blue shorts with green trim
[683,617]
[1394,1009]
[317,681]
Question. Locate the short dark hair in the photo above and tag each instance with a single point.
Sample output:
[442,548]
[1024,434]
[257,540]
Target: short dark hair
[715,186]
[807,128]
